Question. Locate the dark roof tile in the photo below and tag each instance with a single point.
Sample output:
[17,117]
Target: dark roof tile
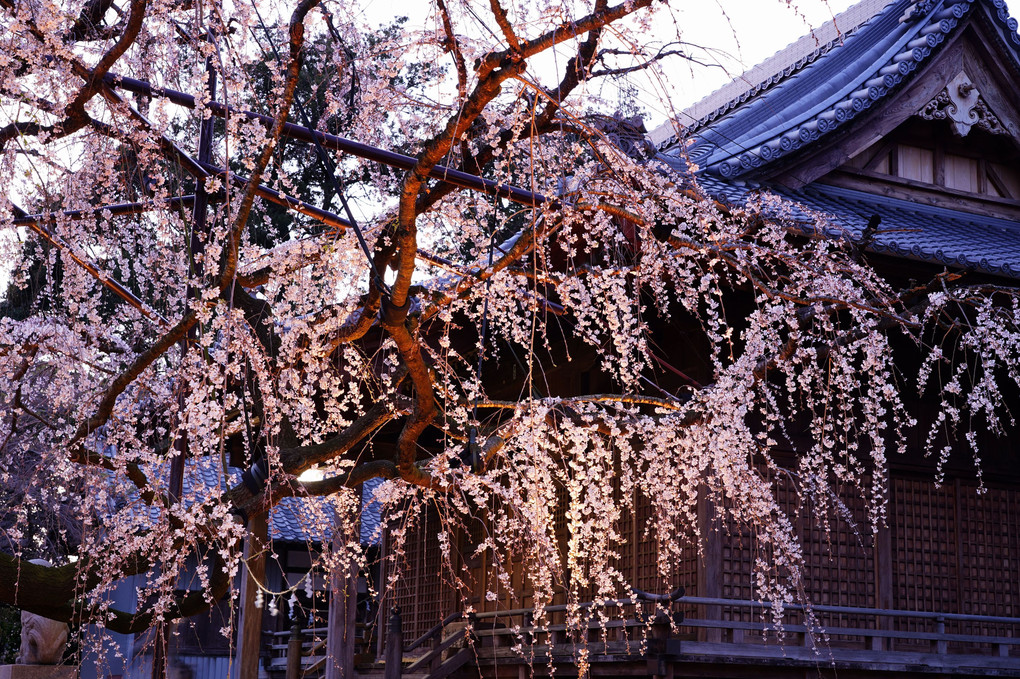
[293,519]
[922,232]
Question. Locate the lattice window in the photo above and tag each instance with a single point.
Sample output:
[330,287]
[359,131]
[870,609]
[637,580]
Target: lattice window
[990,557]
[737,551]
[646,551]
[840,563]
[421,594]
[626,563]
[925,553]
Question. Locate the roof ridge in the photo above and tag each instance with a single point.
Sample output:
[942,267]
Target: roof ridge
[929,32]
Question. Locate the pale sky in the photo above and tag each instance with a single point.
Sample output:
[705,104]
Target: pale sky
[740,34]
[735,35]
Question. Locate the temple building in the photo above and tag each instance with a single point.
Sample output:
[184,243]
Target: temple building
[901,122]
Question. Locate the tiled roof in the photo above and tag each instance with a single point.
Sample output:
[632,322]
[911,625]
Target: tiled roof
[293,519]
[807,102]
[920,232]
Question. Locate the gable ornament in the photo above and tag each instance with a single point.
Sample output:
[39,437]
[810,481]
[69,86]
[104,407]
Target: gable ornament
[918,10]
[961,104]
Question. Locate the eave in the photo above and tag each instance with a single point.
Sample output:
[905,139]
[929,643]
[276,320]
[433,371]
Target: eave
[873,63]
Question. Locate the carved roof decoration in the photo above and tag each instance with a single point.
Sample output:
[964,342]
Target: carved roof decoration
[804,103]
[627,134]
[960,103]
[919,10]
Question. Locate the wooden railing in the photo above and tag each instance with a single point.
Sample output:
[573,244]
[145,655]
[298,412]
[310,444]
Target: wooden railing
[301,652]
[879,634]
[661,634]
[448,650]
[296,651]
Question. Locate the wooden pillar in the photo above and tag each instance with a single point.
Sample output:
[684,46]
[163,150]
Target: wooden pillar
[658,635]
[294,650]
[249,644]
[709,567]
[343,607]
[394,646]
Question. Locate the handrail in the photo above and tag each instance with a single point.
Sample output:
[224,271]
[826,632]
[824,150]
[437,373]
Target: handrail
[675,595]
[854,610]
[436,629]
[315,667]
[427,659]
[313,631]
[877,640]
[678,596]
[640,597]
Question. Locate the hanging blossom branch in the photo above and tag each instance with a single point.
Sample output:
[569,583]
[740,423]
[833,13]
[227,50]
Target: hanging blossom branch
[297,38]
[441,381]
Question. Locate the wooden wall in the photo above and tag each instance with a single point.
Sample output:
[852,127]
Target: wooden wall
[956,551]
[421,594]
[947,549]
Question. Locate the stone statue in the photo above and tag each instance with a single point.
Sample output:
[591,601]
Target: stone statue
[42,640]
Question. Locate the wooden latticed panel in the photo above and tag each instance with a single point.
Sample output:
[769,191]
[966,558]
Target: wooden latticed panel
[989,554]
[925,549]
[628,563]
[646,552]
[646,548]
[562,537]
[422,595]
[839,560]
[476,565]
[736,554]
[839,567]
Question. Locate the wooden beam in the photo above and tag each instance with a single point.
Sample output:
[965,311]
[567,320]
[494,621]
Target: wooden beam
[924,194]
[709,524]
